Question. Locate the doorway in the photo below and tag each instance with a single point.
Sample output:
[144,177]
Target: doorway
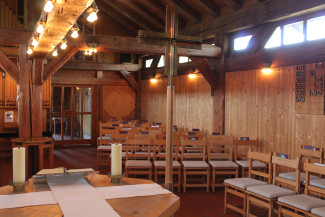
[71,114]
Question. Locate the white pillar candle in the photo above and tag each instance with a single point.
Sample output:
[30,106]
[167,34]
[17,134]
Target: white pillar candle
[116,159]
[18,164]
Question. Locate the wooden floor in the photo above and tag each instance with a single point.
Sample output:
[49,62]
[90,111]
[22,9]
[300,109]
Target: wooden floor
[194,203]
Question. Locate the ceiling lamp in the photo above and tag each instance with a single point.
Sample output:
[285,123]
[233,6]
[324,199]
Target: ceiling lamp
[93,13]
[40,27]
[48,6]
[55,52]
[29,50]
[64,44]
[34,42]
[75,30]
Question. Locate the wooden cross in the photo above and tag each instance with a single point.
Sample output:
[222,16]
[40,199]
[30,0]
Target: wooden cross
[171,39]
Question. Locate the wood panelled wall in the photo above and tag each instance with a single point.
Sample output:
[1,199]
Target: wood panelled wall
[263,106]
[193,103]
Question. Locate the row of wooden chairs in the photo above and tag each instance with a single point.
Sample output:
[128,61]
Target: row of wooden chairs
[274,189]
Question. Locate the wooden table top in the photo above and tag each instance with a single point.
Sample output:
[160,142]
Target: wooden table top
[164,205]
[32,140]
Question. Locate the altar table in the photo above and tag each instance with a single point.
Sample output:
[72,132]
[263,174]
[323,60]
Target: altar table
[164,205]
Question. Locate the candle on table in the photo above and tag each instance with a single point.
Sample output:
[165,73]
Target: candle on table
[116,159]
[18,164]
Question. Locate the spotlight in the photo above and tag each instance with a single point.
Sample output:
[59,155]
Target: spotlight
[75,30]
[40,28]
[29,51]
[55,52]
[64,44]
[93,13]
[48,6]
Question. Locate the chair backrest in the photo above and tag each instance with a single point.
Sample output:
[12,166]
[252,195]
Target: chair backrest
[159,145]
[245,144]
[118,137]
[315,169]
[315,155]
[132,145]
[262,157]
[141,136]
[194,133]
[105,129]
[220,147]
[280,163]
[189,145]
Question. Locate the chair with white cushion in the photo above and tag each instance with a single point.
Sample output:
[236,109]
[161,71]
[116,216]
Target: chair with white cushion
[238,186]
[220,149]
[199,166]
[159,162]
[304,204]
[241,147]
[103,143]
[138,164]
[266,195]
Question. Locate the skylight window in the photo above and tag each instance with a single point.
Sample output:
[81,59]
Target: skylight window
[183,59]
[241,43]
[293,33]
[315,28]
[148,63]
[161,62]
[275,39]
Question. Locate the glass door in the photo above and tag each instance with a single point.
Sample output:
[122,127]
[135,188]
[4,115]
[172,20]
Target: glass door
[71,114]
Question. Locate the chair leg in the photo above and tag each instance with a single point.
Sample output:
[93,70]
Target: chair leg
[245,205]
[179,179]
[156,175]
[184,181]
[271,205]
[279,210]
[150,174]
[208,180]
[225,201]
[213,179]
[248,206]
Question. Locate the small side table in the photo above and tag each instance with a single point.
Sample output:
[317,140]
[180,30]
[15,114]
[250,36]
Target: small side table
[42,143]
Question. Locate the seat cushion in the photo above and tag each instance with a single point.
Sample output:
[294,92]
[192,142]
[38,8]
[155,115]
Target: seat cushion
[302,201]
[292,176]
[270,191]
[104,147]
[244,182]
[138,163]
[195,164]
[319,211]
[161,163]
[223,164]
[245,163]
[318,182]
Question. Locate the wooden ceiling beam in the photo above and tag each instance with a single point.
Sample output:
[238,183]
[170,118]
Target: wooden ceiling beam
[255,14]
[208,6]
[89,81]
[234,4]
[20,37]
[132,45]
[128,14]
[144,14]
[101,66]
[55,64]
[118,18]
[203,66]
[159,9]
[186,11]
[9,67]
[130,79]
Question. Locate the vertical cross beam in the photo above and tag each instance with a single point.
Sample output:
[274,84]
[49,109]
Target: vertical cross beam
[170,70]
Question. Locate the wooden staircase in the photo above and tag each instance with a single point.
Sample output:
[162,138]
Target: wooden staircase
[9,18]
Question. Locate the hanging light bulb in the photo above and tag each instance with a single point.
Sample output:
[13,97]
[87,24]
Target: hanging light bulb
[75,30]
[48,6]
[55,52]
[95,50]
[64,44]
[40,28]
[91,50]
[86,52]
[34,42]
[29,50]
[93,13]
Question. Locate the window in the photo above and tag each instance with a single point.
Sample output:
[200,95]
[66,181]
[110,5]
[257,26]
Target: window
[275,39]
[161,62]
[315,28]
[183,59]
[293,33]
[241,43]
[148,63]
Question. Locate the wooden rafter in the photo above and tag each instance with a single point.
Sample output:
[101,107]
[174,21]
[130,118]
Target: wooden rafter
[9,67]
[210,7]
[186,11]
[21,37]
[57,63]
[89,81]
[101,66]
[255,14]
[130,79]
[203,66]
[235,4]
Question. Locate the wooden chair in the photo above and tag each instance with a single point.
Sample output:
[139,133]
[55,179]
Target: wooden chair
[241,157]
[267,195]
[238,186]
[220,149]
[159,162]
[313,154]
[195,167]
[103,144]
[304,204]
[133,164]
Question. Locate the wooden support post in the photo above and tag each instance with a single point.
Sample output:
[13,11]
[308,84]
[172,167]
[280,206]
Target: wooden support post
[24,94]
